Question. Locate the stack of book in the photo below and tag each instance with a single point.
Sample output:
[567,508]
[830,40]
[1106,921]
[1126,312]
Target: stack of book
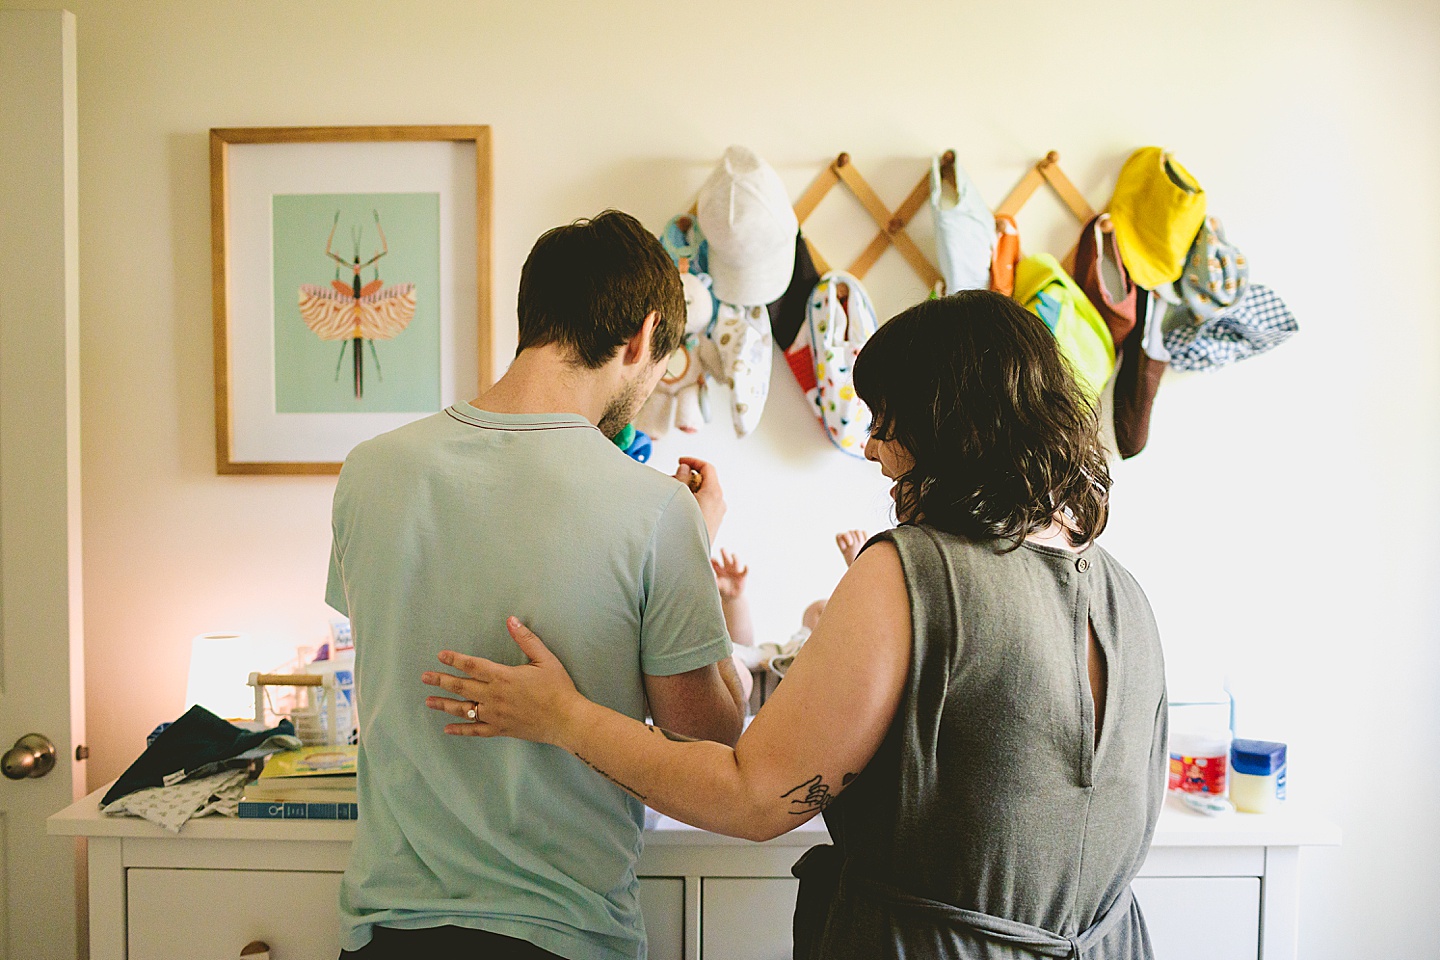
[312,783]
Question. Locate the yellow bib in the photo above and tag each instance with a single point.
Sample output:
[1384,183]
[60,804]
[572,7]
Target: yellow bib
[1157,210]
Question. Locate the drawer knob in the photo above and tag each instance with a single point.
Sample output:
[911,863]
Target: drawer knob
[255,950]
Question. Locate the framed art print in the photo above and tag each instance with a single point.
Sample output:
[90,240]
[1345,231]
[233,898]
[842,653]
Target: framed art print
[351,286]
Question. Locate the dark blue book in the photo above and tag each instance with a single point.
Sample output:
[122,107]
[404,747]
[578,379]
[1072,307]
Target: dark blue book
[277,810]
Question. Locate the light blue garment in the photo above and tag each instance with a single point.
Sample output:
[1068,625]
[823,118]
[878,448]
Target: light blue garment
[1216,273]
[443,528]
[964,232]
[683,239]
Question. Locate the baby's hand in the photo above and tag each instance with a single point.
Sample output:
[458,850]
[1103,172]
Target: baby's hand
[850,542]
[730,575]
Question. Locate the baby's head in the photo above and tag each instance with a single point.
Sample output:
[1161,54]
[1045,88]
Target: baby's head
[812,614]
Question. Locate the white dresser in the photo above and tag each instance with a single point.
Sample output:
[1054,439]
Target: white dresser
[223,884]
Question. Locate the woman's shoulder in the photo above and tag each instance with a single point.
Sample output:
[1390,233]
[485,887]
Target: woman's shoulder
[920,536]
[920,544]
[930,558]
[1113,568]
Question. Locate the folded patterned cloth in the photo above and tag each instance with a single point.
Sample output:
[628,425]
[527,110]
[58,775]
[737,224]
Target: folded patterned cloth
[170,807]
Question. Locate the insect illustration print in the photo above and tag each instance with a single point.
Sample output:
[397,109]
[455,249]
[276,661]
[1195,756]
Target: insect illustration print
[358,312]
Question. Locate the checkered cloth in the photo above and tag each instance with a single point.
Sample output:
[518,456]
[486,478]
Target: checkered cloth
[1257,323]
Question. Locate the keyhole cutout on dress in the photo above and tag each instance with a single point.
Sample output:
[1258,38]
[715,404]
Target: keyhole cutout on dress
[1098,670]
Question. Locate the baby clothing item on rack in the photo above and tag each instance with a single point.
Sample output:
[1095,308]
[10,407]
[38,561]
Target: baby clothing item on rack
[173,806]
[681,398]
[964,228]
[1164,308]
[840,322]
[749,226]
[1157,210]
[1047,291]
[1143,360]
[699,301]
[742,345]
[787,314]
[1216,273]
[1260,321]
[1102,275]
[1007,255]
[685,242]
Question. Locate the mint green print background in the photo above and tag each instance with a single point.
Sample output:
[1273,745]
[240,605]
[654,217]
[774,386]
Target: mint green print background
[304,364]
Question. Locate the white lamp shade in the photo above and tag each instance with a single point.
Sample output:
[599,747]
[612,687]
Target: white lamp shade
[220,666]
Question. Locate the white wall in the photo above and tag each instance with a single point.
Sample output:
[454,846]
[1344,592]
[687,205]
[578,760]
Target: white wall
[1283,519]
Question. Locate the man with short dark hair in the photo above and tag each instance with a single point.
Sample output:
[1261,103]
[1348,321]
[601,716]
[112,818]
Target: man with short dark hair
[518,503]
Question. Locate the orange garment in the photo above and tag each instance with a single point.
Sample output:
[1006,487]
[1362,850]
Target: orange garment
[1007,255]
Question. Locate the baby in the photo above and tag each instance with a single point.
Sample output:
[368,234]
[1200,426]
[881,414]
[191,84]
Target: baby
[730,576]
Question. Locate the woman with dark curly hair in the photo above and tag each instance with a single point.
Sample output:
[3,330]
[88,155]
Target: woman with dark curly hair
[980,713]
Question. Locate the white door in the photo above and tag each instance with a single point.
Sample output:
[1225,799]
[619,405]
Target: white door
[41,685]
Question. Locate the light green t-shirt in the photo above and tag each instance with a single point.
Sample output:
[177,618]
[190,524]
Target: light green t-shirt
[443,528]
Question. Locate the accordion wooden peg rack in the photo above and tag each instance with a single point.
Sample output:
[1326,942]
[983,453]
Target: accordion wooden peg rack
[891,224]
[1046,170]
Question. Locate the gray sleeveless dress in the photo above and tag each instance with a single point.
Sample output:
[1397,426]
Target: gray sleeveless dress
[989,825]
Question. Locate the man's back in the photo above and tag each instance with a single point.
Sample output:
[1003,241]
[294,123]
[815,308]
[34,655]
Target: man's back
[443,529]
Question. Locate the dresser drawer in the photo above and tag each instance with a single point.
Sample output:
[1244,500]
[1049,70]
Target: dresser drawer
[1201,918]
[662,902]
[213,914]
[747,918]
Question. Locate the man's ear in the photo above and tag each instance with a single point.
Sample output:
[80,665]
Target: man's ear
[637,348]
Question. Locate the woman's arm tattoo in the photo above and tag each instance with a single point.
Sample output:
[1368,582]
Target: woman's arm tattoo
[628,789]
[814,795]
[677,737]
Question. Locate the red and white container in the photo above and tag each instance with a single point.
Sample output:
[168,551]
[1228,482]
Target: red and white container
[1200,762]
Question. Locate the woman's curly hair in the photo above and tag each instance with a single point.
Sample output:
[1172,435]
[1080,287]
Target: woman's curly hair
[973,386]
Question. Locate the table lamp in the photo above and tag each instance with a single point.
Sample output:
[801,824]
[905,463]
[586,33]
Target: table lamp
[220,665]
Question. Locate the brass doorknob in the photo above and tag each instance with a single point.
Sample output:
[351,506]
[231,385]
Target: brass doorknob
[32,756]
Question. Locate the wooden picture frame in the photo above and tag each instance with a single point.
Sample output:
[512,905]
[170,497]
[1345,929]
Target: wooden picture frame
[274,414]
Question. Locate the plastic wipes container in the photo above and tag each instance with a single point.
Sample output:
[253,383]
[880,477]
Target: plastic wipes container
[1257,784]
[1199,762]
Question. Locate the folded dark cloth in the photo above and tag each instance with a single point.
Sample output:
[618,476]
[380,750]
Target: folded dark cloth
[197,745]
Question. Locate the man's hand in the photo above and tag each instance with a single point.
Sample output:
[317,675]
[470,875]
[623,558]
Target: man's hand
[707,491]
[730,575]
